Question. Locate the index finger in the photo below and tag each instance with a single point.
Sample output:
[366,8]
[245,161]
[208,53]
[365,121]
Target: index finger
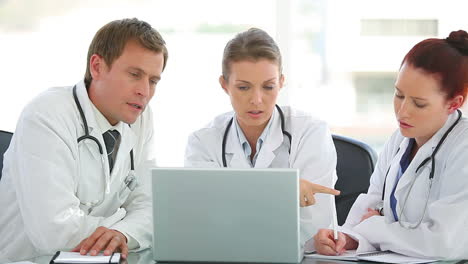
[341,243]
[322,189]
[91,240]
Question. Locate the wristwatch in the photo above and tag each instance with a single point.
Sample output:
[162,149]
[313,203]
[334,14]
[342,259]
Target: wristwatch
[379,208]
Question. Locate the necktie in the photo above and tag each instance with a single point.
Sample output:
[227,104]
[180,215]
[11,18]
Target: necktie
[110,139]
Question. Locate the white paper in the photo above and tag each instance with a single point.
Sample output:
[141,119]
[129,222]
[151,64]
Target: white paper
[391,257]
[76,257]
[347,255]
[377,256]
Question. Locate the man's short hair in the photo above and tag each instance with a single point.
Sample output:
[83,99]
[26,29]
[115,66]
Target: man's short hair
[109,42]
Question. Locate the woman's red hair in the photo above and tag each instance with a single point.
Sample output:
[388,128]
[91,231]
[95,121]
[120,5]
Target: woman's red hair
[445,59]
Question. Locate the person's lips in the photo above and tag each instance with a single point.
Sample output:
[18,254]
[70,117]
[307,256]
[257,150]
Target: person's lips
[137,106]
[404,124]
[255,113]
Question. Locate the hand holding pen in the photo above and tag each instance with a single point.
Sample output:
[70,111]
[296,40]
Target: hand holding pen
[326,244]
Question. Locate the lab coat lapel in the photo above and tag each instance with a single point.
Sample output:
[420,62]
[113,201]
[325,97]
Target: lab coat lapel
[234,149]
[409,176]
[94,131]
[394,168]
[273,140]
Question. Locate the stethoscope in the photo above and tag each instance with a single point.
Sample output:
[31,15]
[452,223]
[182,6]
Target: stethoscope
[431,176]
[130,181]
[286,133]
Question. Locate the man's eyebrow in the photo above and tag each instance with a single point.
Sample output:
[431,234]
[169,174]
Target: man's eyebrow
[158,77]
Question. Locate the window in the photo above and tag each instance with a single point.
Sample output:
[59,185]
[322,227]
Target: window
[340,57]
[399,27]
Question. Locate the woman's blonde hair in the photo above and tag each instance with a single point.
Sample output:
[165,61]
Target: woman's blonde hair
[253,44]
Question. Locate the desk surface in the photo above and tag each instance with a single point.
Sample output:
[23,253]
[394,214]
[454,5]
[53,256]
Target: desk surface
[146,257]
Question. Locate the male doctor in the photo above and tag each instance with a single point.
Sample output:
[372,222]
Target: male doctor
[68,181]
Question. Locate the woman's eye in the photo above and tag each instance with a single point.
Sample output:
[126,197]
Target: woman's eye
[419,105]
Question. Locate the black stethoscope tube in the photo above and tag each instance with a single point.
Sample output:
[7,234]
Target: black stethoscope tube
[86,128]
[430,158]
[223,145]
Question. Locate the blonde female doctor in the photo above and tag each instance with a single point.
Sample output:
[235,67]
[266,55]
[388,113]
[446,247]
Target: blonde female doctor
[260,134]
[418,196]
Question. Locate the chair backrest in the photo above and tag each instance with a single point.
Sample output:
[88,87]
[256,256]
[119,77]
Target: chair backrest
[355,164]
[5,138]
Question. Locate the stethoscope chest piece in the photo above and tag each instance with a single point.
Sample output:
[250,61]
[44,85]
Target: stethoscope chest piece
[131,181]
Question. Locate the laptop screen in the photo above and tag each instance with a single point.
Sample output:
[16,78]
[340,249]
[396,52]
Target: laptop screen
[226,215]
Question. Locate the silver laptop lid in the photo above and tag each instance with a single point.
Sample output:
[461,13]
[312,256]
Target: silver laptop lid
[226,215]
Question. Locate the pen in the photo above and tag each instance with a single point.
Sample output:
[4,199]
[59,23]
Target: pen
[335,220]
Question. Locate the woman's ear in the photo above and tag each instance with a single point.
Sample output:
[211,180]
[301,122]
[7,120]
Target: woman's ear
[223,83]
[281,81]
[455,103]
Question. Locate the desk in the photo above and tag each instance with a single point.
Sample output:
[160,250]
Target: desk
[146,257]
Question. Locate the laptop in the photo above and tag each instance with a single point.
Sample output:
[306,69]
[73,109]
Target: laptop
[226,215]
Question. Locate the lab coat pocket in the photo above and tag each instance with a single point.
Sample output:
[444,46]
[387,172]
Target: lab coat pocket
[124,192]
[91,181]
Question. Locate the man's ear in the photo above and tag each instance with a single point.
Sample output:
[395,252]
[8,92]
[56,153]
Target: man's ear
[96,66]
[455,103]
[223,82]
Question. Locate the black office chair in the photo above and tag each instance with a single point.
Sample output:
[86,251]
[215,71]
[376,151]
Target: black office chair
[5,138]
[355,164]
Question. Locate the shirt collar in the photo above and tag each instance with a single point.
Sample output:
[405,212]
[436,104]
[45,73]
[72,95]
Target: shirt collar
[102,122]
[243,140]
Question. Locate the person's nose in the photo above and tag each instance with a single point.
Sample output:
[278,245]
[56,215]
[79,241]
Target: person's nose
[256,97]
[403,109]
[143,88]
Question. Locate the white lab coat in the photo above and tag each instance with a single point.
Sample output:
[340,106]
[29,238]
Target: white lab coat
[312,152]
[443,232]
[47,174]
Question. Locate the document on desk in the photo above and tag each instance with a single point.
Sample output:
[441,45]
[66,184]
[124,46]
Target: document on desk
[376,256]
[20,262]
[75,257]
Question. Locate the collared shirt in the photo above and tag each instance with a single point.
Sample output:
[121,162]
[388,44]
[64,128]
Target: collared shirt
[104,125]
[404,163]
[245,144]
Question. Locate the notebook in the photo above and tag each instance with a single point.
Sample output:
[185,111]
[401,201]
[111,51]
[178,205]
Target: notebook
[226,215]
[377,256]
[76,257]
